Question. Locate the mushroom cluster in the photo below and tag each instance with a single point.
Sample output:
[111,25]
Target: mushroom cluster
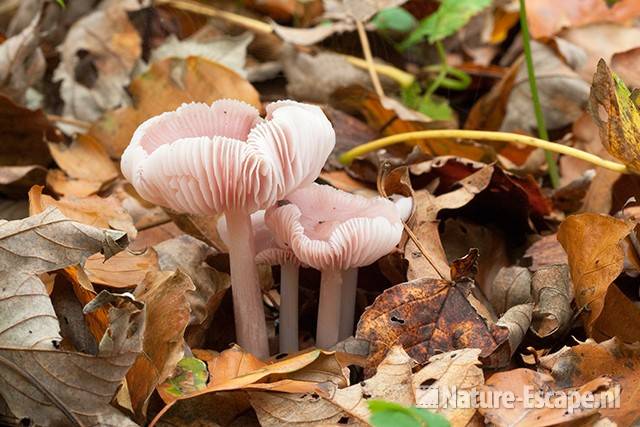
[258,173]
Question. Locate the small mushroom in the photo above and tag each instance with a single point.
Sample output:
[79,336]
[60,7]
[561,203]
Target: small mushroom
[335,232]
[223,158]
[270,253]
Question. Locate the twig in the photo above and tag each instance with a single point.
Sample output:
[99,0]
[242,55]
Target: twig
[366,49]
[481,135]
[69,121]
[535,98]
[403,78]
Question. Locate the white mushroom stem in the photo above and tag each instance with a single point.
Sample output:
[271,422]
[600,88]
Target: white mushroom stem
[248,310]
[288,308]
[329,309]
[348,302]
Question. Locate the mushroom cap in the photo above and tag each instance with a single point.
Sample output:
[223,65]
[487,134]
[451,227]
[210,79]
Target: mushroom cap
[209,159]
[267,249]
[331,229]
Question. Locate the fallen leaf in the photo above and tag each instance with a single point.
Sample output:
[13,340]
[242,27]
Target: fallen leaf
[515,382]
[617,117]
[596,257]
[626,65]
[202,227]
[361,10]
[64,185]
[563,94]
[230,51]
[165,86]
[97,58]
[588,361]
[552,293]
[427,316]
[165,297]
[546,251]
[313,35]
[84,159]
[22,63]
[23,134]
[575,13]
[189,255]
[52,387]
[231,363]
[93,210]
[126,269]
[517,320]
[15,181]
[459,369]
[511,287]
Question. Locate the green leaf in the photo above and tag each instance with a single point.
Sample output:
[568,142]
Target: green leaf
[389,414]
[436,109]
[190,375]
[449,18]
[61,3]
[395,19]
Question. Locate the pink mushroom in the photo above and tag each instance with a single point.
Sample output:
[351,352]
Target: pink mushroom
[335,232]
[224,158]
[269,253]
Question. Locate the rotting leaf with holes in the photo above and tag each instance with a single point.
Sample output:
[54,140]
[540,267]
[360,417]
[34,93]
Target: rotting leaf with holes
[617,116]
[593,244]
[164,87]
[428,316]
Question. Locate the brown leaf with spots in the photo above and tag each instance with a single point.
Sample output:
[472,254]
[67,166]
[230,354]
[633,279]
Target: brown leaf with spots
[427,316]
[588,361]
[593,244]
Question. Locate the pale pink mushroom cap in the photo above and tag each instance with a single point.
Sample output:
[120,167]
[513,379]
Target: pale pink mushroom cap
[330,229]
[267,248]
[223,157]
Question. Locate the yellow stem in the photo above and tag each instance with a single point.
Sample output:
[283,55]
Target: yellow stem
[481,135]
[403,78]
[366,49]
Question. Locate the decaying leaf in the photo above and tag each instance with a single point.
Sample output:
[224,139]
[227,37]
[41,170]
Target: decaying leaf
[517,320]
[627,65]
[164,87]
[52,386]
[15,181]
[427,316]
[511,287]
[617,117]
[553,293]
[460,369]
[588,361]
[93,210]
[165,297]
[521,414]
[126,269]
[546,251]
[97,58]
[84,159]
[596,257]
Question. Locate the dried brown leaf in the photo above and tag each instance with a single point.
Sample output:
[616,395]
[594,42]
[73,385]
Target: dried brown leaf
[84,159]
[124,270]
[511,287]
[553,293]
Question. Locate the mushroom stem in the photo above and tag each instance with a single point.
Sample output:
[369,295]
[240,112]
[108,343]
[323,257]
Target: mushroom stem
[288,308]
[248,310]
[329,312]
[347,310]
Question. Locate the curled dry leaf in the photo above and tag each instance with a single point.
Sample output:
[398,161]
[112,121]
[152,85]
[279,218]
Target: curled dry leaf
[511,287]
[617,117]
[84,159]
[517,320]
[546,251]
[553,293]
[588,361]
[517,382]
[165,297]
[596,257]
[21,61]
[52,387]
[460,369]
[24,133]
[189,255]
[331,404]
[93,210]
[97,58]
[164,87]
[126,269]
[428,316]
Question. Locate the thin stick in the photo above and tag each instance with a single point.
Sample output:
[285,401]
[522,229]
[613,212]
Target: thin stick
[348,301]
[401,77]
[366,49]
[288,308]
[329,311]
[535,98]
[481,135]
[248,310]
[69,121]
